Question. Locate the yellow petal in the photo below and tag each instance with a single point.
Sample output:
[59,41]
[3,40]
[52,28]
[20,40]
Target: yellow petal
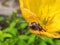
[38,10]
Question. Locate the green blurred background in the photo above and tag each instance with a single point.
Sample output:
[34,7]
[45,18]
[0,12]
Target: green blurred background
[14,31]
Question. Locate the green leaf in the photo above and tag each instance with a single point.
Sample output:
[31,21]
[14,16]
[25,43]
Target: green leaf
[14,15]
[23,37]
[57,41]
[12,31]
[4,35]
[23,25]
[1,18]
[49,40]
[1,43]
[12,24]
[31,39]
[42,43]
[21,40]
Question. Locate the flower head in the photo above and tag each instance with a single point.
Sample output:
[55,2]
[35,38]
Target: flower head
[46,13]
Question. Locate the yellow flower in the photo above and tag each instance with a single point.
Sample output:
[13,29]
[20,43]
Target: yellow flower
[44,12]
